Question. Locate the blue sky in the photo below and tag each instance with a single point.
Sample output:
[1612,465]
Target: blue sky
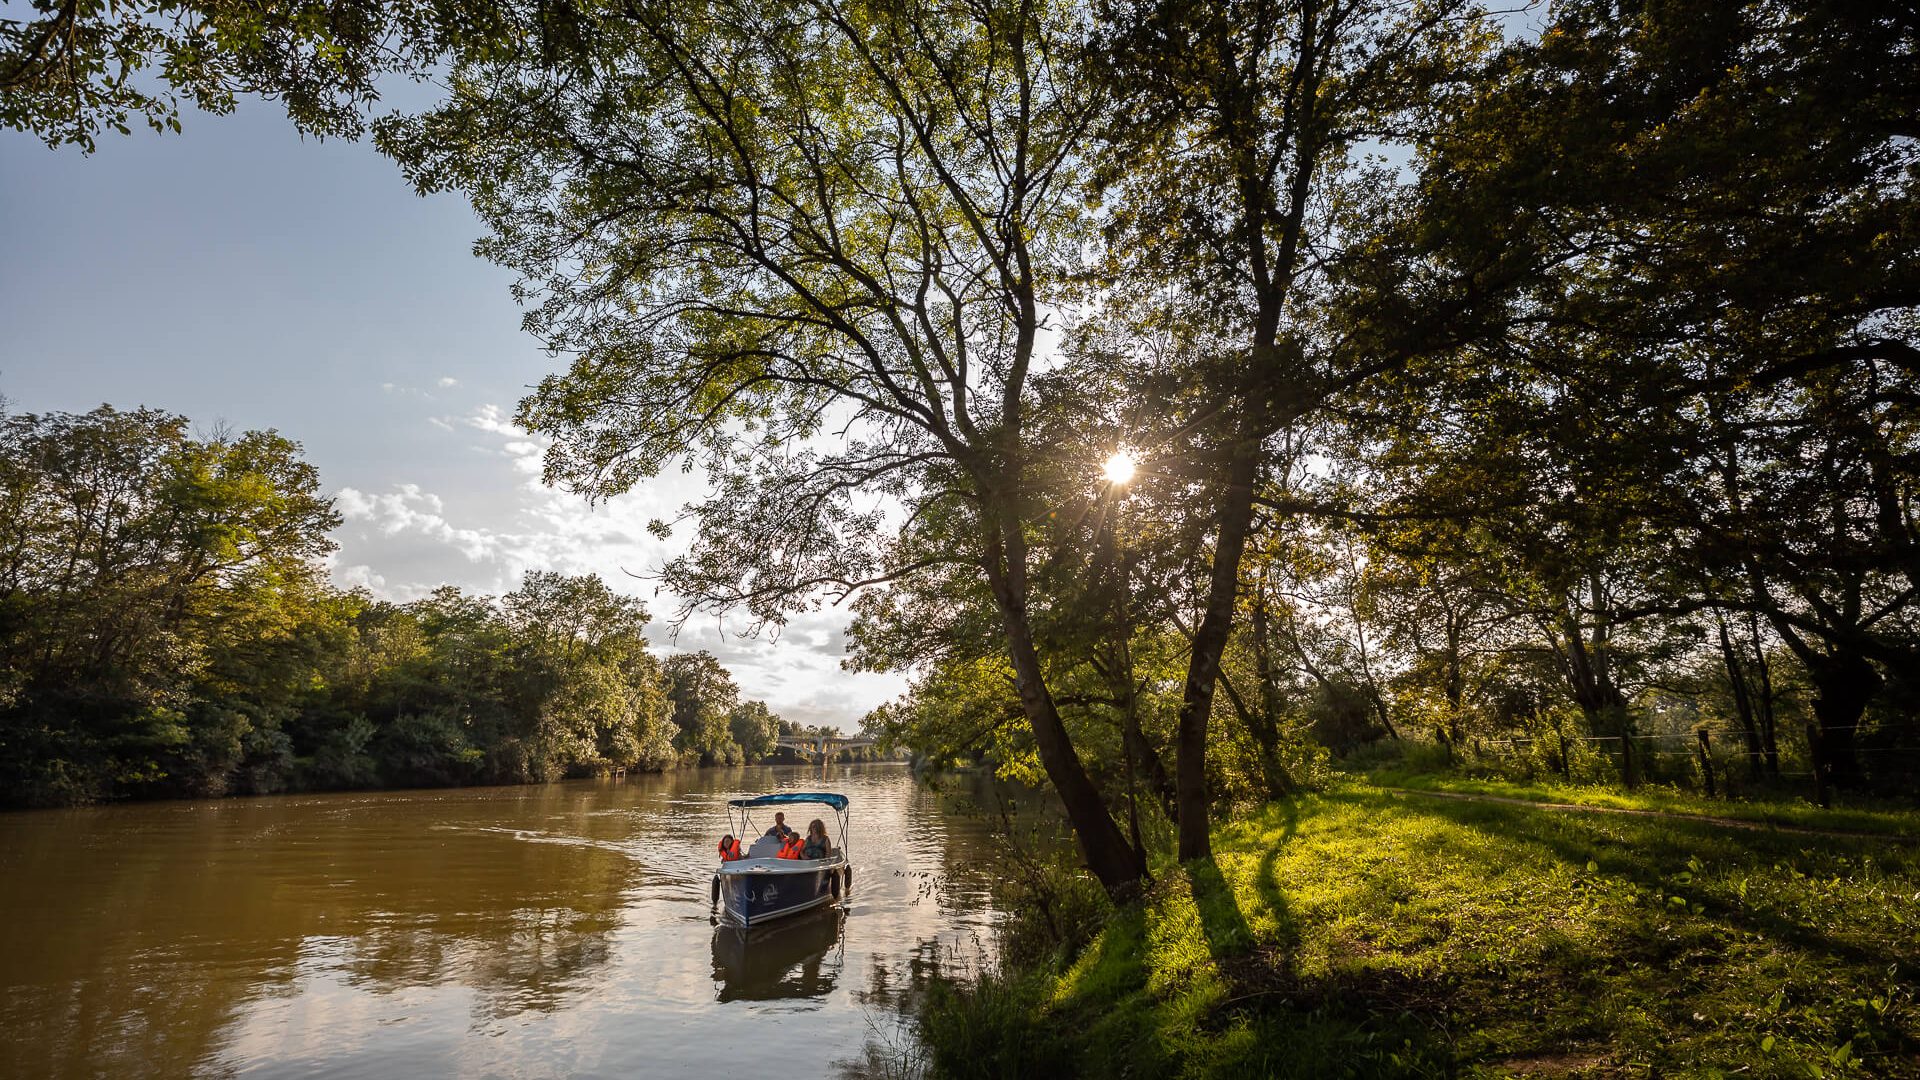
[240,274]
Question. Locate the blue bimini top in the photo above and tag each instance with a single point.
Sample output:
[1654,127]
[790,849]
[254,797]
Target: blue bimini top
[838,802]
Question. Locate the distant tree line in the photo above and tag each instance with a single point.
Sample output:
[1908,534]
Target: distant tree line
[167,629]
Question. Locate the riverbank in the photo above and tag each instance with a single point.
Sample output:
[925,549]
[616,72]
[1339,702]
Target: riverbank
[1367,932]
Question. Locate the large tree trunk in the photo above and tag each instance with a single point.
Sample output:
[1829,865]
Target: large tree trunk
[1591,677]
[1209,641]
[1843,685]
[1104,847]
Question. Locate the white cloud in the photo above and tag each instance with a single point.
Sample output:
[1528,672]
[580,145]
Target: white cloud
[359,576]
[492,418]
[448,381]
[487,538]
[407,509]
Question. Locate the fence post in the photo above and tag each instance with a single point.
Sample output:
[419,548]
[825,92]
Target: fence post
[1706,758]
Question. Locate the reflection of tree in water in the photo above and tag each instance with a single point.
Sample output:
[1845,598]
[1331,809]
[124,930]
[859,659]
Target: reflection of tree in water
[796,957]
[987,823]
[180,939]
[893,997]
[537,968]
[984,823]
[524,952]
[533,962]
[182,918]
[933,960]
[101,992]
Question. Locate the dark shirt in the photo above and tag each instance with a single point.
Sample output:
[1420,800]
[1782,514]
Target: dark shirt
[780,832]
[816,849]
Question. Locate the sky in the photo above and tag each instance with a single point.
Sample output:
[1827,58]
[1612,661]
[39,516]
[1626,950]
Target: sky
[238,274]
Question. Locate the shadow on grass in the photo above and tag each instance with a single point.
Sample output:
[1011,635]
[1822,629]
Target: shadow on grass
[1221,920]
[1257,1012]
[1438,959]
[1266,880]
[1651,855]
[1275,1020]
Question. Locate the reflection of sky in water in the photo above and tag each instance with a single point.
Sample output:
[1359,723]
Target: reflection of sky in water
[515,932]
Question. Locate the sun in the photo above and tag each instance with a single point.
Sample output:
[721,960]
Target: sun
[1119,467]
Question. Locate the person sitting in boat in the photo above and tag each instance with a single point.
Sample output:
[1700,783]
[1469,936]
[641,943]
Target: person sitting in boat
[780,831]
[816,846]
[790,847]
[729,849]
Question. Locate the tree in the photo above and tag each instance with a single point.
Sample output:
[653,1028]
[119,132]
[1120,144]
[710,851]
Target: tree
[597,697]
[755,728]
[1723,252]
[768,222]
[704,699]
[76,68]
[1244,215]
[135,563]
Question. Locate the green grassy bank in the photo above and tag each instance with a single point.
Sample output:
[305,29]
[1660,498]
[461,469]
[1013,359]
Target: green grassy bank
[1367,933]
[1785,812]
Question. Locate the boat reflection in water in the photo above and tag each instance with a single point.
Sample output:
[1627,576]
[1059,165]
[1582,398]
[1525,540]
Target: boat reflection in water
[796,957]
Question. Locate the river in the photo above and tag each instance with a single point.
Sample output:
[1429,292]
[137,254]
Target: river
[541,931]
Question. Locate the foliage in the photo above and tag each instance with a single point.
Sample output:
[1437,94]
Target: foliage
[1543,397]
[76,68]
[165,630]
[704,699]
[754,728]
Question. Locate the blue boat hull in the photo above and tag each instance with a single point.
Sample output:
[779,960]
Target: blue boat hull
[749,898]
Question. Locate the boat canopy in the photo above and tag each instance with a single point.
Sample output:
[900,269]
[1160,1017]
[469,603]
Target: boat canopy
[838,802]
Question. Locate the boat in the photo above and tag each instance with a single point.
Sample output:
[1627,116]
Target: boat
[752,890]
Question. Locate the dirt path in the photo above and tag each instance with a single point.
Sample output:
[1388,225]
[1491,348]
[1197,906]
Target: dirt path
[1731,823]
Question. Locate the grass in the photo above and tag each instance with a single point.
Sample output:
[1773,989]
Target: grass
[1362,932]
[1798,813]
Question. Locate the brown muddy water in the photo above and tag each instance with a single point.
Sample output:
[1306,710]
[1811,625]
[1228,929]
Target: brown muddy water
[561,930]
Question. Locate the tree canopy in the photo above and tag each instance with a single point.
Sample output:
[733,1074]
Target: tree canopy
[166,628]
[1545,394]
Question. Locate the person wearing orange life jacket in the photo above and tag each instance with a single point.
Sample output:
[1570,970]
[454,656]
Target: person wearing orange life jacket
[729,849]
[790,848]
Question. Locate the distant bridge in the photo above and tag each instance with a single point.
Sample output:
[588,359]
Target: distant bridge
[822,745]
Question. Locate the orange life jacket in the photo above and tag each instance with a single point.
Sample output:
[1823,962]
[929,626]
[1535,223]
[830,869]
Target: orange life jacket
[729,852]
[790,849]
